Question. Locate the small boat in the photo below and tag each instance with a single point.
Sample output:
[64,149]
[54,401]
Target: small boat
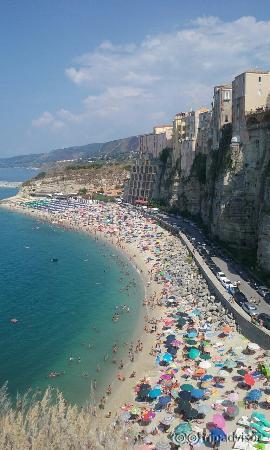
[54,260]
[13,320]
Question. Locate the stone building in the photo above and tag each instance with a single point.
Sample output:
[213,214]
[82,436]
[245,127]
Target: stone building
[250,93]
[188,144]
[204,133]
[167,129]
[178,134]
[221,112]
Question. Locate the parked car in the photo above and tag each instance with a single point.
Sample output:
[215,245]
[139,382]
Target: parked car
[267,298]
[239,297]
[263,291]
[250,309]
[221,275]
[265,320]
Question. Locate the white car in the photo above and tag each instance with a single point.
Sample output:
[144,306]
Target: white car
[226,283]
[221,275]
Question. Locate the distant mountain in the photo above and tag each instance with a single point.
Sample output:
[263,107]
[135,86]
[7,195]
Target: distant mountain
[111,150]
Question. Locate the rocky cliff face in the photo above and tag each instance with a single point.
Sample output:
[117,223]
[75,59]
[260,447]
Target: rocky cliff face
[229,190]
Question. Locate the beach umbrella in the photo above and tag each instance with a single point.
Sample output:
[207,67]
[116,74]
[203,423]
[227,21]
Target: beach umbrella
[205,365]
[176,343]
[226,329]
[178,439]
[166,376]
[204,409]
[254,395]
[164,400]
[167,357]
[218,420]
[232,411]
[182,428]
[186,387]
[233,396]
[217,435]
[162,445]
[197,393]
[230,364]
[154,393]
[205,356]
[192,334]
[184,395]
[170,338]
[167,420]
[249,380]
[223,374]
[190,414]
[193,353]
[135,411]
[125,416]
[207,377]
[148,415]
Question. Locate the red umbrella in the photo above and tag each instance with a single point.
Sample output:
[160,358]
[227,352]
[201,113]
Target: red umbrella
[249,379]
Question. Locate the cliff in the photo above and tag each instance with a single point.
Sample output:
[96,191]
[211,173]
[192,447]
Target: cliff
[229,191]
[90,179]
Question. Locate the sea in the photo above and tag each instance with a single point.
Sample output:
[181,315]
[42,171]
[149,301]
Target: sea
[63,309]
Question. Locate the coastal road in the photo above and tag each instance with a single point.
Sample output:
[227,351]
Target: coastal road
[216,259]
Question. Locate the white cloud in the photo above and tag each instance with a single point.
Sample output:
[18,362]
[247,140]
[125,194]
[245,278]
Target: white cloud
[129,85]
[47,120]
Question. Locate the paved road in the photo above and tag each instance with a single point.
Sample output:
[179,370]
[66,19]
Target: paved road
[213,255]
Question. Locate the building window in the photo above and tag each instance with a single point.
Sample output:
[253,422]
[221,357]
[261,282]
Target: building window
[227,95]
[226,118]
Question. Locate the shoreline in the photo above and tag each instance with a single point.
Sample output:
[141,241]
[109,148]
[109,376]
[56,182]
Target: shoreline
[191,335]
[121,391]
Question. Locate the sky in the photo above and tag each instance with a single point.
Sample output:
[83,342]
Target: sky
[80,71]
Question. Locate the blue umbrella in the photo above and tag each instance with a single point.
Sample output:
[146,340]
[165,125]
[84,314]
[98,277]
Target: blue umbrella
[154,393]
[254,395]
[170,338]
[167,357]
[218,435]
[197,393]
[164,400]
[192,334]
[207,377]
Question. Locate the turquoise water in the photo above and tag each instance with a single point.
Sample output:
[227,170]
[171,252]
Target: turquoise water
[61,307]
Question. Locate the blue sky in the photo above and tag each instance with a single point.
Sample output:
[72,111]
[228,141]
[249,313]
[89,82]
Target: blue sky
[74,72]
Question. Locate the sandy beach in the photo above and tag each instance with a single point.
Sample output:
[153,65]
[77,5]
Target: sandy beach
[196,380]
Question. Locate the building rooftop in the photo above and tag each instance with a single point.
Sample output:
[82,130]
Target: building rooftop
[255,71]
[163,126]
[224,86]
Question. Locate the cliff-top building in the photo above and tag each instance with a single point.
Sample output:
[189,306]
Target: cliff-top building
[178,134]
[221,112]
[250,93]
[188,144]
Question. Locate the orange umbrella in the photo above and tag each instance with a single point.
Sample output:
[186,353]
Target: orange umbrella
[249,379]
[226,329]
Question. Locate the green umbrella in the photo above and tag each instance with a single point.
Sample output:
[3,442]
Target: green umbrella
[182,428]
[186,387]
[190,341]
[205,356]
[194,353]
[230,364]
